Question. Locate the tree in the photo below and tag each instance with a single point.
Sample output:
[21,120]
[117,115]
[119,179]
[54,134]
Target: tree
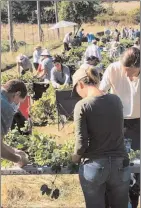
[24,11]
[79,12]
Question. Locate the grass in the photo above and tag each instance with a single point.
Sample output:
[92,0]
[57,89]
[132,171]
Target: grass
[29,34]
[17,195]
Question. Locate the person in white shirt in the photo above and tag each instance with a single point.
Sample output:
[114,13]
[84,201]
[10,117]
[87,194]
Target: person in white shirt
[93,50]
[123,79]
[67,40]
[36,56]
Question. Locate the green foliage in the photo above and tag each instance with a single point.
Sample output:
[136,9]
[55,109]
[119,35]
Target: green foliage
[44,109]
[134,154]
[6,77]
[126,43]
[110,9]
[82,11]
[132,17]
[103,18]
[106,61]
[24,11]
[42,150]
[5,46]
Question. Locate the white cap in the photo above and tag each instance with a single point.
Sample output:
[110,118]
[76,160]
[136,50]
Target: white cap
[45,52]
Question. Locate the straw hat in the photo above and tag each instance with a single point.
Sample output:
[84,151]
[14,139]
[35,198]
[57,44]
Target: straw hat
[45,53]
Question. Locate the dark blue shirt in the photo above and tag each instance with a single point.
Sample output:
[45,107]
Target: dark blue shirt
[7,113]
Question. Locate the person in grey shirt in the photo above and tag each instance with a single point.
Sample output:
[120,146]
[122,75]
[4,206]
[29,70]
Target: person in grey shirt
[12,93]
[60,74]
[99,145]
[23,64]
[46,66]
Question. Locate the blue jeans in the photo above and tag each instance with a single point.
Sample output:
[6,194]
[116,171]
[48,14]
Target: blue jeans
[99,175]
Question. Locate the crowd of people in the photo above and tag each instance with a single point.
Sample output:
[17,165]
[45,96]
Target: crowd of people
[108,112]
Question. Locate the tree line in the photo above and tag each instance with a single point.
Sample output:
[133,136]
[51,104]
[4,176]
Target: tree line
[25,11]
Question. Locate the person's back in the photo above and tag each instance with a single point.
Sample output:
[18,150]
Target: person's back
[26,64]
[104,117]
[93,50]
[99,145]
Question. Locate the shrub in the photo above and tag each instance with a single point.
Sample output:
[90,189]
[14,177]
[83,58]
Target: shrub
[6,77]
[42,150]
[5,46]
[44,109]
[134,16]
[126,43]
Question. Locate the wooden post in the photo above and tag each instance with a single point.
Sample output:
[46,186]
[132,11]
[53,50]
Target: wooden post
[57,18]
[39,20]
[9,6]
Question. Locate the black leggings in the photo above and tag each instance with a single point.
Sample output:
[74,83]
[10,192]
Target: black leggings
[66,47]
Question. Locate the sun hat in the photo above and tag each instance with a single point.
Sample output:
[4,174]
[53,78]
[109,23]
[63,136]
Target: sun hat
[45,53]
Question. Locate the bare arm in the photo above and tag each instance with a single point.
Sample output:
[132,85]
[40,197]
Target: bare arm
[105,84]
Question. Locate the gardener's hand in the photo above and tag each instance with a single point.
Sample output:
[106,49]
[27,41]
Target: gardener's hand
[23,161]
[23,158]
[76,158]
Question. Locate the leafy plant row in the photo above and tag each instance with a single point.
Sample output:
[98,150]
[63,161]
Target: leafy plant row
[43,150]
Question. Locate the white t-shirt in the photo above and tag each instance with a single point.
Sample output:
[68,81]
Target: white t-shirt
[36,56]
[115,79]
[93,50]
[67,38]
